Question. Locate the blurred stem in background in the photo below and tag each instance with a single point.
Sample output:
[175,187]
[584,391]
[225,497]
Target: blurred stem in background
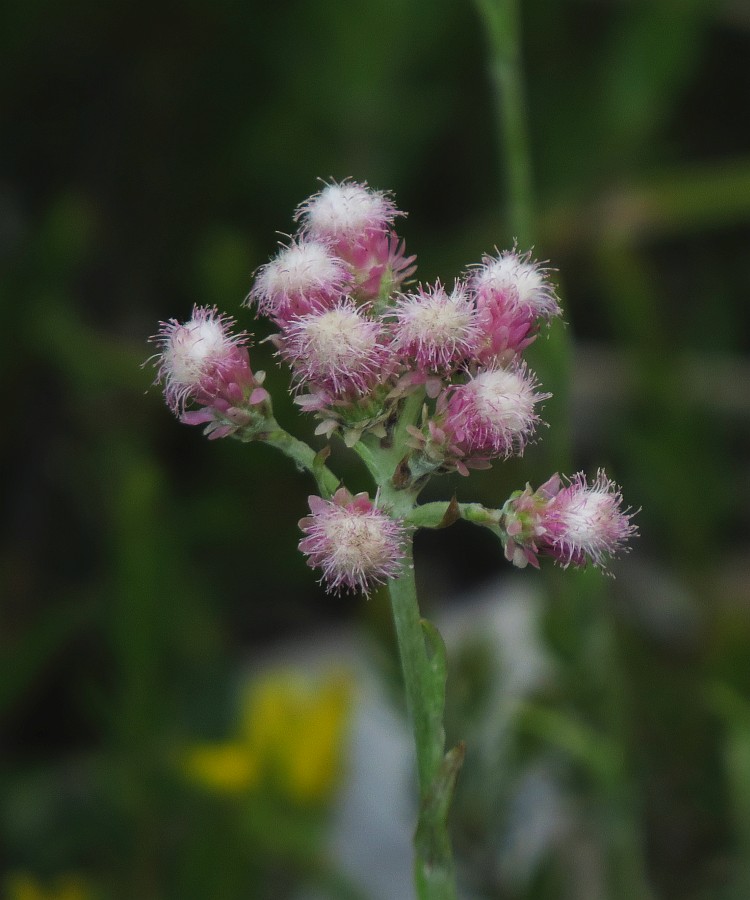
[503,30]
[578,596]
[502,25]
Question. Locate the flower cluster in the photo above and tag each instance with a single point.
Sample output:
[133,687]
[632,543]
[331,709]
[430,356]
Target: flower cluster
[357,342]
[360,340]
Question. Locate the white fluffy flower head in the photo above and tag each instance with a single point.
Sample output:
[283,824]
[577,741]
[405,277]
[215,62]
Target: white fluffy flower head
[303,275]
[339,349]
[493,414]
[190,350]
[504,398]
[588,521]
[436,328]
[346,212]
[355,544]
[527,281]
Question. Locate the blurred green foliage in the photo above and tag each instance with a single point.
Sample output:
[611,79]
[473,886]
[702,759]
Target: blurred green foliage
[149,153]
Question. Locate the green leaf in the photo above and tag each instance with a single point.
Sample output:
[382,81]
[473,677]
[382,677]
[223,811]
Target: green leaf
[599,755]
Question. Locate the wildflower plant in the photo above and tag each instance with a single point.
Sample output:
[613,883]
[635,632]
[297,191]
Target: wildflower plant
[420,381]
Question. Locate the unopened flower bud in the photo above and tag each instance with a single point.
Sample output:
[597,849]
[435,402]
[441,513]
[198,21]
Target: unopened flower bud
[523,520]
[355,544]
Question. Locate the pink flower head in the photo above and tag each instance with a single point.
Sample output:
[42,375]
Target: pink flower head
[574,524]
[493,413]
[357,223]
[513,295]
[436,330]
[586,522]
[346,214]
[202,361]
[528,280]
[354,543]
[304,277]
[339,350]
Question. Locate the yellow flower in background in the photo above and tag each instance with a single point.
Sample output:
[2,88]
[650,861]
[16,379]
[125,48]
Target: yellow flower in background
[297,730]
[229,767]
[290,737]
[23,886]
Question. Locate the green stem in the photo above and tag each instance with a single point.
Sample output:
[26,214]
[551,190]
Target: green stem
[441,513]
[383,457]
[424,669]
[409,416]
[428,730]
[424,672]
[502,25]
[423,664]
[424,682]
[304,456]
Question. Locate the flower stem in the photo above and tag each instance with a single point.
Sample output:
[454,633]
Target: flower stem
[424,667]
[424,680]
[428,731]
[304,456]
[440,513]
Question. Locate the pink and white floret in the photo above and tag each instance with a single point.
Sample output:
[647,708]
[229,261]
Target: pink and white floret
[575,522]
[354,544]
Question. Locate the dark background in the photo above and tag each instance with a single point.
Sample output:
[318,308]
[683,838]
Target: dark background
[150,155]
